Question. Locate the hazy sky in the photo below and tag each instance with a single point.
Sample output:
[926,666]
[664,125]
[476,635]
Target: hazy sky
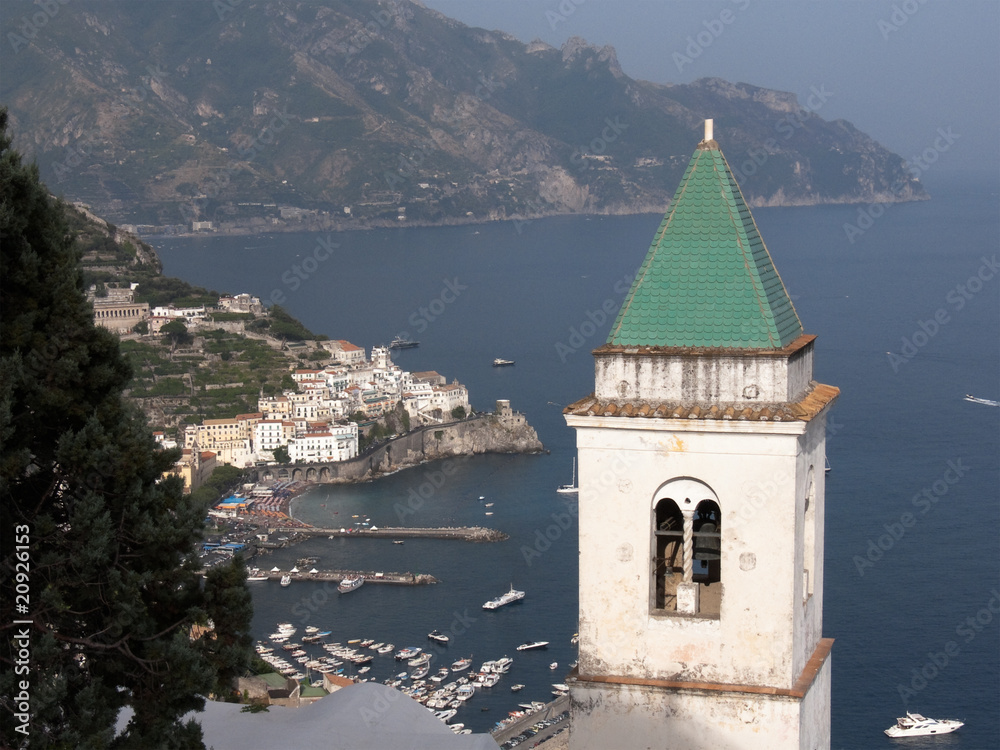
[898,69]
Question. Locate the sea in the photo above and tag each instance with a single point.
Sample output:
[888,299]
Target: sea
[905,300]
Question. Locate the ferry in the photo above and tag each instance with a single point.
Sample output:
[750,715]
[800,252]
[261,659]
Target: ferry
[511,596]
[350,584]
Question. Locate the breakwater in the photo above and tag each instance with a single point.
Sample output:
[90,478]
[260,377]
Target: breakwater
[336,576]
[465,533]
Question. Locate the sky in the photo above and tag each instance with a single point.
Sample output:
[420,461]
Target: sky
[922,77]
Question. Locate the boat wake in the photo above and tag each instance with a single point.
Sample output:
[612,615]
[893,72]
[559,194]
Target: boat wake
[983,401]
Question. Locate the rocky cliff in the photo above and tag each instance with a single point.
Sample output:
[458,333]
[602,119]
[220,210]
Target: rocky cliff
[504,431]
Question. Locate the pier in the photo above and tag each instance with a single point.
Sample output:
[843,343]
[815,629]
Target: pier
[336,576]
[465,533]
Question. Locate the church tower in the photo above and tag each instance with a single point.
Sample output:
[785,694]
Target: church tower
[701,474]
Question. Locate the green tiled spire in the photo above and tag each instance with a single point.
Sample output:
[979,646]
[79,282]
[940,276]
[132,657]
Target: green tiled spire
[708,280]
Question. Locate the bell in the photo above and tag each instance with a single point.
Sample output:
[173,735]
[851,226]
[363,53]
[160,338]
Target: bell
[707,542]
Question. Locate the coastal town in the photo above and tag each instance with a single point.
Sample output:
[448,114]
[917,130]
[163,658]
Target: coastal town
[323,419]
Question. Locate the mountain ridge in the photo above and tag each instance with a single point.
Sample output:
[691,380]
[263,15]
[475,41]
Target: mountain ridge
[262,116]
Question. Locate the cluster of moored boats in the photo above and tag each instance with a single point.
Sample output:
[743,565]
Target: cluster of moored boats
[444,690]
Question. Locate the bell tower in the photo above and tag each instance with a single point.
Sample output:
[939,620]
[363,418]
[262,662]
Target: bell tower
[701,474]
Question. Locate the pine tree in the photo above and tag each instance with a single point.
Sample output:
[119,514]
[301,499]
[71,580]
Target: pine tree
[113,580]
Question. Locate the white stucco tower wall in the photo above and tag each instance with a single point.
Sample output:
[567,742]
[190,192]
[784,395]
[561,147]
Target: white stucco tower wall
[701,459]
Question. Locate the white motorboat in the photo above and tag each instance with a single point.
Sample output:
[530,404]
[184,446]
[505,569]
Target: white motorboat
[532,645]
[257,575]
[915,725]
[437,635]
[461,664]
[286,580]
[500,362]
[571,488]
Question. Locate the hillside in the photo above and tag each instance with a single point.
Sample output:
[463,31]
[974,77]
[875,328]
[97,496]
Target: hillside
[268,115]
[221,367]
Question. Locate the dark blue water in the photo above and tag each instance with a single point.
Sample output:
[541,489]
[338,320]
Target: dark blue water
[470,294]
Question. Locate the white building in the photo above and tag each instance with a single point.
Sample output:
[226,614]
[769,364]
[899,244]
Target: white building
[701,502]
[345,352]
[338,443]
[270,434]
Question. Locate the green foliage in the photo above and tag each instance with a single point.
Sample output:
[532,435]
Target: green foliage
[281,455]
[115,585]
[229,607]
[165,290]
[176,333]
[142,327]
[286,327]
[458,412]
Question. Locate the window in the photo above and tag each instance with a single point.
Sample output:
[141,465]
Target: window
[687,549]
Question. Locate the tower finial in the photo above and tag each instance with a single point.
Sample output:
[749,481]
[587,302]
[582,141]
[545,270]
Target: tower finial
[708,130]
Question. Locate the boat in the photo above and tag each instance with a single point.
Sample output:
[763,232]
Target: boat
[915,725]
[397,541]
[402,343]
[465,692]
[419,660]
[421,671]
[408,653]
[571,488]
[257,575]
[554,665]
[286,580]
[532,645]
[498,362]
[511,596]
[350,584]
[516,688]
[461,664]
[386,648]
[437,635]
[983,401]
